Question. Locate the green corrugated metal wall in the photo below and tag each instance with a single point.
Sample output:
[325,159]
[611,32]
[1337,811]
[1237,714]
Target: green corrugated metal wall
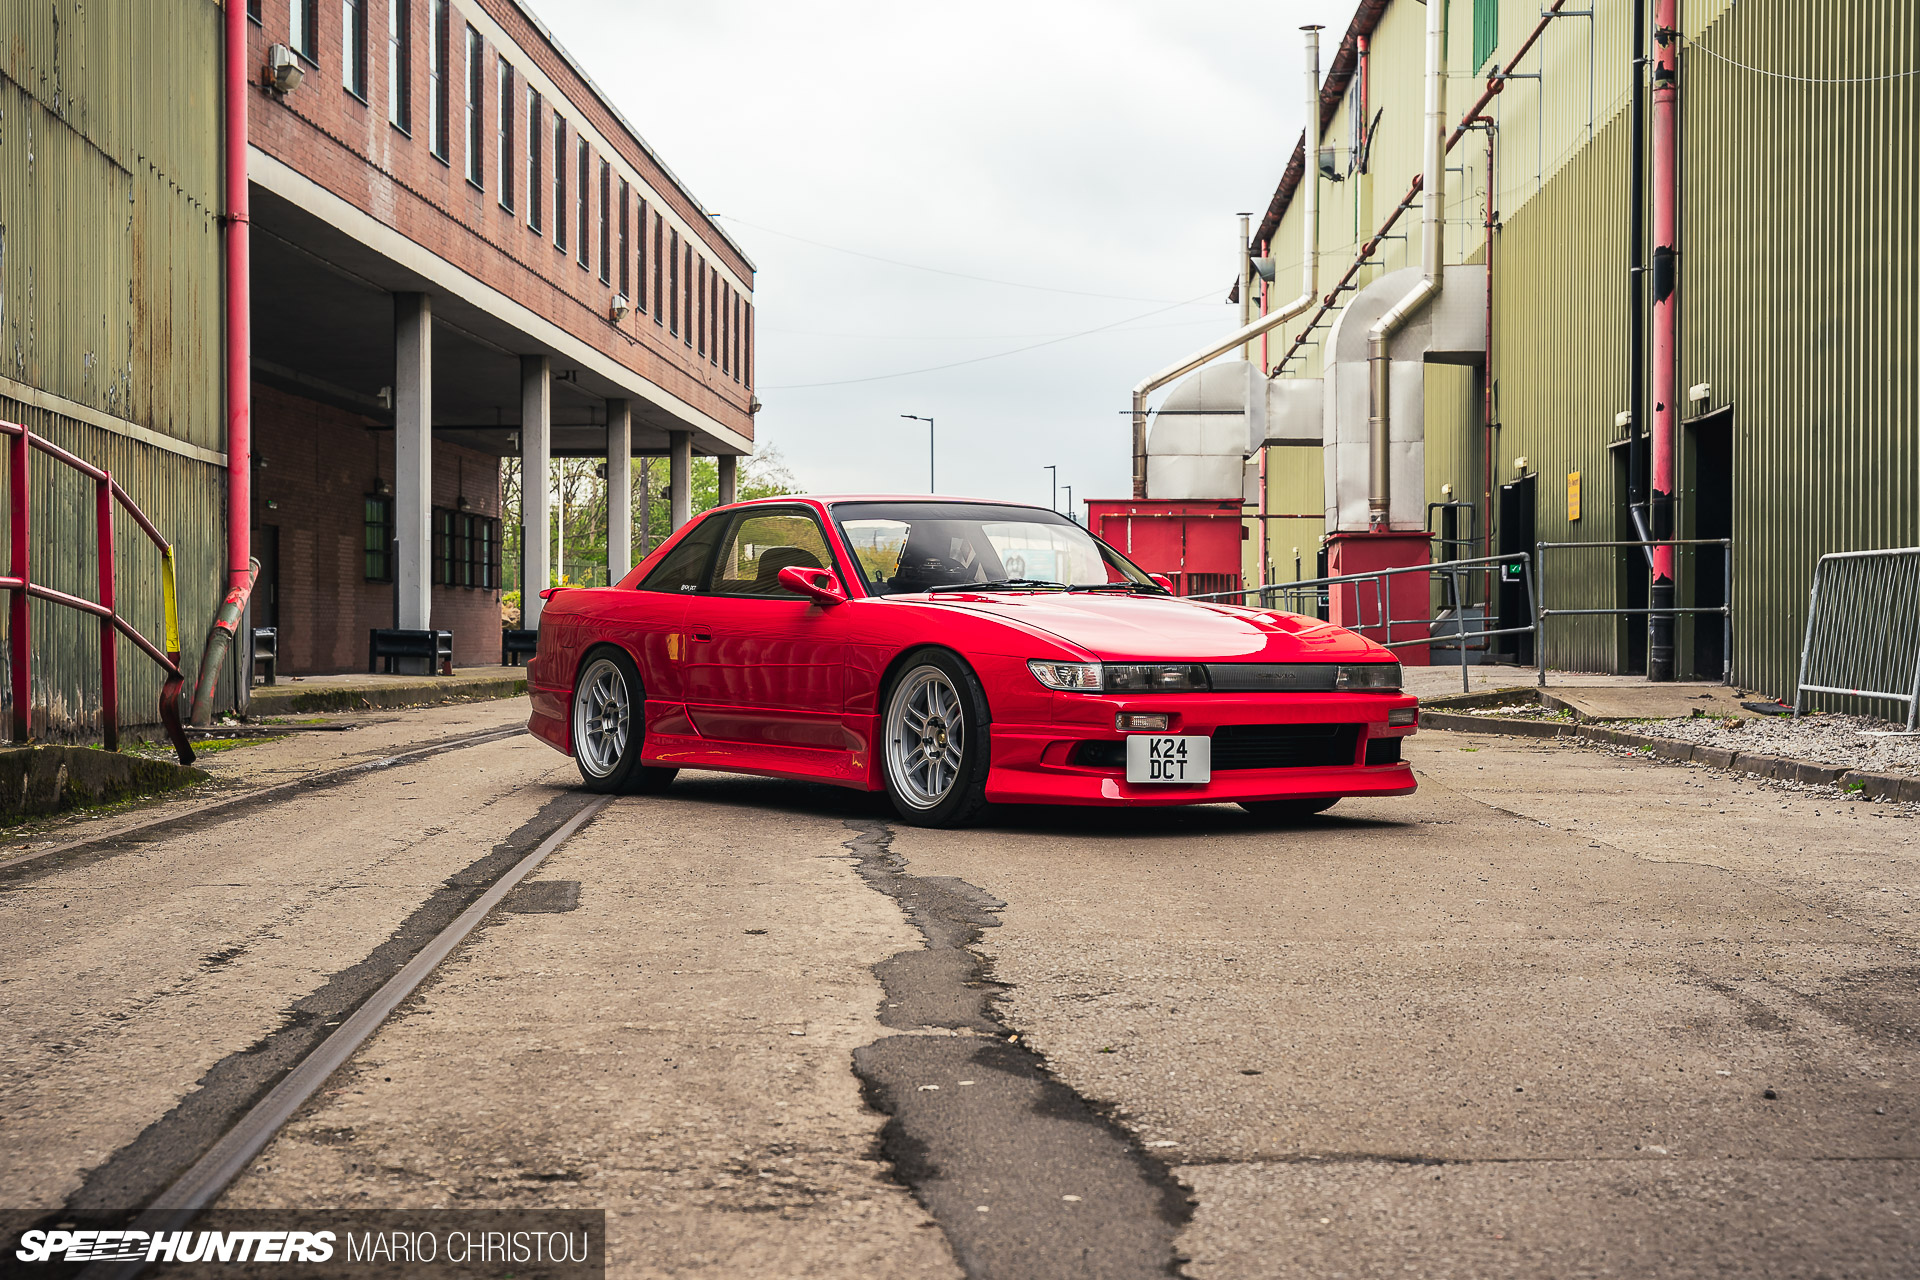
[1799,289]
[110,298]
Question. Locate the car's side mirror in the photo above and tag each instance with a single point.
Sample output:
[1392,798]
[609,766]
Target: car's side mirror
[1163,580]
[817,584]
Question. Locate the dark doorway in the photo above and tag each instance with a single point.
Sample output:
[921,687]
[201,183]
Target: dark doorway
[1516,535]
[1710,503]
[266,589]
[1631,574]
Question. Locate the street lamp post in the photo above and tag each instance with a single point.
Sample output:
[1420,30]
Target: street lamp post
[931,488]
[1054,470]
[1070,513]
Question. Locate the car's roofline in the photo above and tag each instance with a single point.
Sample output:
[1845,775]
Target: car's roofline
[836,499]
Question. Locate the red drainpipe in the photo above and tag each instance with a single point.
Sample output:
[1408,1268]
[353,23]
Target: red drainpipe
[1666,327]
[235,230]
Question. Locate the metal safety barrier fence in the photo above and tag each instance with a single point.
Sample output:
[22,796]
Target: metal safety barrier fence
[1863,629]
[1309,595]
[18,581]
[1724,609]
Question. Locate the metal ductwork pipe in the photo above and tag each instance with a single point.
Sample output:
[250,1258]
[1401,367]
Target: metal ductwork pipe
[1309,267]
[1433,192]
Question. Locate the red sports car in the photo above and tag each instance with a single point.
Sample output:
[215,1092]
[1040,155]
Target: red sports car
[955,653]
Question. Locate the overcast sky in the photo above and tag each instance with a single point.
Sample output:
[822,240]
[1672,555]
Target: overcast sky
[1078,147]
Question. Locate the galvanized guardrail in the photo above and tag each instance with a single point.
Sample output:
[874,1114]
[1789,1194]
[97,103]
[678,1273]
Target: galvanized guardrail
[1724,609]
[1863,629]
[1308,595]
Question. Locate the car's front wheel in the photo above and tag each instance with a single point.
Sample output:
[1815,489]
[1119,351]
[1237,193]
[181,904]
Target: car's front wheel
[609,725]
[935,741]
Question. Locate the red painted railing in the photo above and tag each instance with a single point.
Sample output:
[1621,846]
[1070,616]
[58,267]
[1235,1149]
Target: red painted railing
[19,582]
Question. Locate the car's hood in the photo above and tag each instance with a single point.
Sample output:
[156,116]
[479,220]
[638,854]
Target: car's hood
[1119,627]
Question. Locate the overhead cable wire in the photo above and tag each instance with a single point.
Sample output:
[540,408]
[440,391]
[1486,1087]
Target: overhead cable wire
[907,373]
[940,271]
[1781,75]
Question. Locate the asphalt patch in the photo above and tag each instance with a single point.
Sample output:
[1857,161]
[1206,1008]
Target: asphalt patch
[540,897]
[1026,1178]
[132,1176]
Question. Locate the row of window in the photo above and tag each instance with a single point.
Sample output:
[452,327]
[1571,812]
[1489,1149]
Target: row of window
[687,296]
[466,546]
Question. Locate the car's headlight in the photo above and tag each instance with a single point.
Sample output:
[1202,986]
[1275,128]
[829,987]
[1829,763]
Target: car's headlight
[1370,677]
[1155,677]
[1077,677]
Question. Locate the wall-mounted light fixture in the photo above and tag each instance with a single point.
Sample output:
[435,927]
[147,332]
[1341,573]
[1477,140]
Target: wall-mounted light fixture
[1699,391]
[283,72]
[619,308]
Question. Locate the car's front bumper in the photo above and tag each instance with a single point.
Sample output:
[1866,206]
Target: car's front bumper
[1033,762]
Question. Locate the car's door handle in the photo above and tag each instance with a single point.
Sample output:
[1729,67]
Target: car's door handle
[703,635]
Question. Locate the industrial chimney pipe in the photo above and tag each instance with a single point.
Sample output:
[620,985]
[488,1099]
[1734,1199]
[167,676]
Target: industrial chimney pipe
[1309,267]
[1432,220]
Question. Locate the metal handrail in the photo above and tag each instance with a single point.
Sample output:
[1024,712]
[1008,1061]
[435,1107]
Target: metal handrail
[1725,609]
[1901,613]
[1383,601]
[18,581]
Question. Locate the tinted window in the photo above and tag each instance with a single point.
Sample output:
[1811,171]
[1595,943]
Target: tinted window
[908,547]
[760,545]
[686,565]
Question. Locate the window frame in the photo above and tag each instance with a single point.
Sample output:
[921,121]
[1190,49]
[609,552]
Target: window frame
[353,47]
[508,161]
[659,270]
[709,582]
[584,201]
[439,54]
[673,282]
[385,522]
[606,221]
[536,149]
[476,108]
[560,160]
[303,30]
[686,288]
[400,65]
[701,290]
[625,243]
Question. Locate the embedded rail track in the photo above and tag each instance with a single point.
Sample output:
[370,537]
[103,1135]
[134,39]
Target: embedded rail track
[187,1195]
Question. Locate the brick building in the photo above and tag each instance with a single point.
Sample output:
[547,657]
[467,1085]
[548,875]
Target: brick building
[461,252]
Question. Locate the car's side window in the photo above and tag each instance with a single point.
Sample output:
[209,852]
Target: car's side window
[685,567]
[760,545]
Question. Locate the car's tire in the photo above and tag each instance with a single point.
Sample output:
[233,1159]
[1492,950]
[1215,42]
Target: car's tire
[934,745]
[1286,812]
[608,724]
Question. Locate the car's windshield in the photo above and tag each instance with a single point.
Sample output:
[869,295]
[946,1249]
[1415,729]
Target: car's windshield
[907,547]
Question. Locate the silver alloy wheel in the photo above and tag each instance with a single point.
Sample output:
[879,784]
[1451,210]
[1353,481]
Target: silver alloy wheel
[602,707]
[926,734]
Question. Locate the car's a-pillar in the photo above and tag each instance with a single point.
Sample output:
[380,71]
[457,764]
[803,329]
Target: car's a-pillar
[536,451]
[619,489]
[413,469]
[680,477]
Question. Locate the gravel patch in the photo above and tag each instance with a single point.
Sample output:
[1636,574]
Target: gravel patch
[1855,742]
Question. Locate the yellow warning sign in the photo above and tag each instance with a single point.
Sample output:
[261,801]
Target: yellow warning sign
[1573,495]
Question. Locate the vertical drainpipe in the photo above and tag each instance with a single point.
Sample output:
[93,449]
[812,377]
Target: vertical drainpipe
[1432,201]
[1637,285]
[234,235]
[1666,329]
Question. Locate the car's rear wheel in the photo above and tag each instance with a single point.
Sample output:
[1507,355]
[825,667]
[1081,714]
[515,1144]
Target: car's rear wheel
[609,725]
[1281,812]
[935,745]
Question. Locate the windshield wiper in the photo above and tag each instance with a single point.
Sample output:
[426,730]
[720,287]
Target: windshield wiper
[1000,584]
[1152,588]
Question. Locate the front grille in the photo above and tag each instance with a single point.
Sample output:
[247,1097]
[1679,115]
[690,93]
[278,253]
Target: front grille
[1383,751]
[1257,746]
[1284,746]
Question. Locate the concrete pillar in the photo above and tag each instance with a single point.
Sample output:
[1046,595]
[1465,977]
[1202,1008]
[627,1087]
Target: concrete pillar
[729,467]
[680,476]
[536,451]
[413,464]
[619,489]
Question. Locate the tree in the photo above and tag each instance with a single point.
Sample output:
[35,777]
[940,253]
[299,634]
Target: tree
[577,491]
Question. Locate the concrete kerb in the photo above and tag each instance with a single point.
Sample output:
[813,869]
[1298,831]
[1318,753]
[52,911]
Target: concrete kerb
[289,699]
[1875,786]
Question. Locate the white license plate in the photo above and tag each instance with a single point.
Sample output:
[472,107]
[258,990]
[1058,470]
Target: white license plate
[1153,757]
